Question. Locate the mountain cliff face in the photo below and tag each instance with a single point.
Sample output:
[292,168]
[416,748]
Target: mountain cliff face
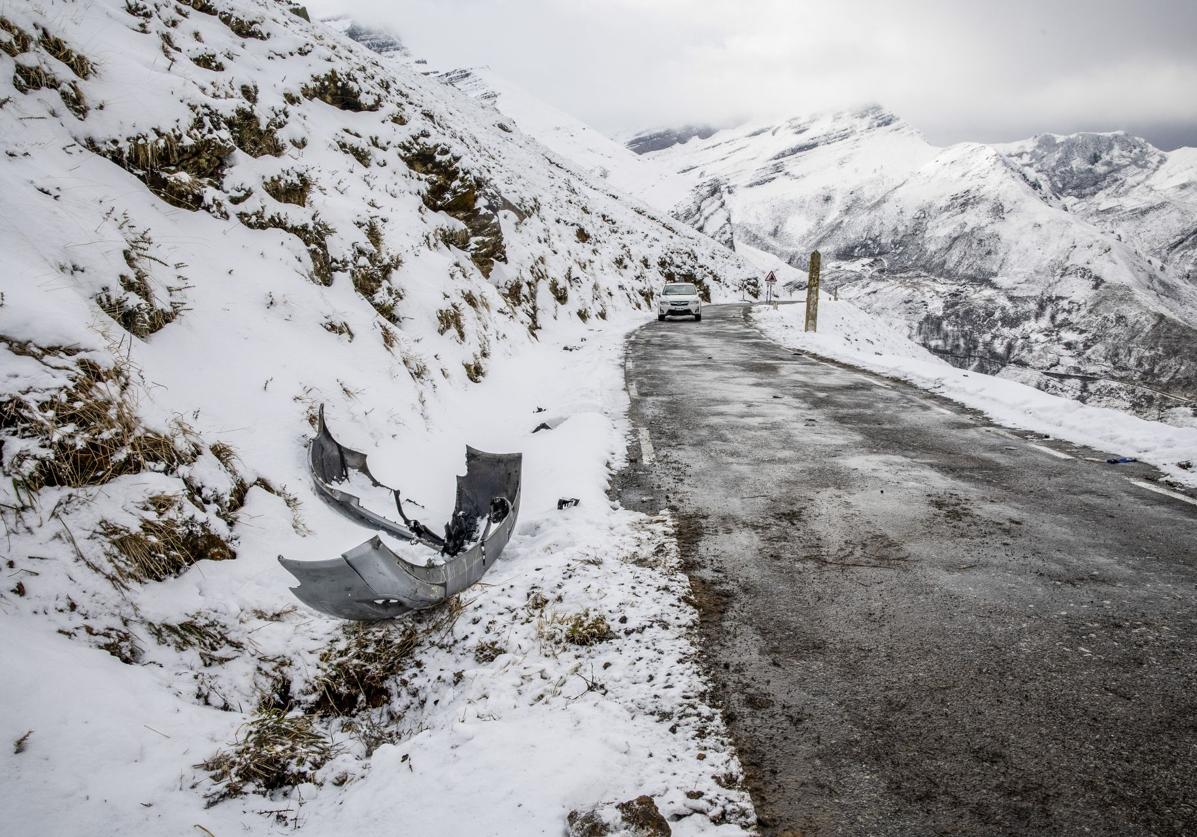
[1067,262]
[646,142]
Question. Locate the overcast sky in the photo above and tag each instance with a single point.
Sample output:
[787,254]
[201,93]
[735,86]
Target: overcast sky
[955,69]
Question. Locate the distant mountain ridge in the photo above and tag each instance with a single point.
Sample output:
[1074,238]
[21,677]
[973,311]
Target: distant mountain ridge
[1067,262]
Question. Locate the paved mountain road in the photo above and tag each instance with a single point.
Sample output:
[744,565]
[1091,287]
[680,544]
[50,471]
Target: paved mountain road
[916,622]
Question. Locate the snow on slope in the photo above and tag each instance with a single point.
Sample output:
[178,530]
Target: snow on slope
[593,152]
[849,334]
[218,216]
[1066,261]
[576,143]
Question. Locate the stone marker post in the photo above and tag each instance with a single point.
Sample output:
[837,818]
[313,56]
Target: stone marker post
[812,292]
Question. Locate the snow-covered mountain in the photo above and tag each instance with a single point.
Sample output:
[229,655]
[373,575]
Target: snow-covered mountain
[217,217]
[607,162]
[576,143]
[1067,262]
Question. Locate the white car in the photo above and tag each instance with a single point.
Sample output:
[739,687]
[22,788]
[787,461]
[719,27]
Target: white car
[679,299]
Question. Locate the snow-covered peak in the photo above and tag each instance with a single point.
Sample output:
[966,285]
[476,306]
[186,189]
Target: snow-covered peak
[1071,255]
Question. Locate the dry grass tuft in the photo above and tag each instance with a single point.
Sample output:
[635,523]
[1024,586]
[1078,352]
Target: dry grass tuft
[474,370]
[291,187]
[580,629]
[207,61]
[18,40]
[371,273]
[202,633]
[251,136]
[175,166]
[240,27]
[357,669]
[584,629]
[341,91]
[559,291]
[372,732]
[118,642]
[450,319]
[89,432]
[463,195]
[313,235]
[357,152]
[339,328]
[161,547]
[275,750]
[360,668]
[137,309]
[80,64]
[28,78]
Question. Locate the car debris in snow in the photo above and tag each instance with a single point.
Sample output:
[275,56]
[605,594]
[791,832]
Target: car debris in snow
[371,581]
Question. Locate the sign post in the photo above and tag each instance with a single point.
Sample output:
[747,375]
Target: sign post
[812,292]
[770,281]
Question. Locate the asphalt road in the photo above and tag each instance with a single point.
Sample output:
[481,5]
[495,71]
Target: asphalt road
[917,622]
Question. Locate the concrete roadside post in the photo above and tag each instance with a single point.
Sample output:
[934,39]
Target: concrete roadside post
[812,292]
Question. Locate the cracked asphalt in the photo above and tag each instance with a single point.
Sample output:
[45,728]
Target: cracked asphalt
[915,621]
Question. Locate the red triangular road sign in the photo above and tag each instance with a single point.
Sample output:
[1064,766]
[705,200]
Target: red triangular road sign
[770,278]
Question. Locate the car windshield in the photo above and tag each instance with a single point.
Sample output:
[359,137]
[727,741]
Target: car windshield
[680,289]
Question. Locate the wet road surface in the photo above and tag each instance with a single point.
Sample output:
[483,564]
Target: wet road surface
[917,622]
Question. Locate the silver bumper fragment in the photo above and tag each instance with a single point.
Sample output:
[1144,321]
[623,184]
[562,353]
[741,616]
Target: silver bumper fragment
[371,581]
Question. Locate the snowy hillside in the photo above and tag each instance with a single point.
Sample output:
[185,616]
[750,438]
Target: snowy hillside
[219,216]
[576,142]
[607,162]
[1066,262]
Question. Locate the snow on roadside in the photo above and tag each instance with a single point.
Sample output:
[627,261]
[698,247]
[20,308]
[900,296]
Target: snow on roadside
[516,723]
[848,334]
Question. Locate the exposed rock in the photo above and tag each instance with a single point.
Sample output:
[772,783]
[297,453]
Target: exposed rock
[650,141]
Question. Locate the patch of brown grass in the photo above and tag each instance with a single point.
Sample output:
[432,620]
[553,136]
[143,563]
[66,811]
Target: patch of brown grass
[356,671]
[202,633]
[89,432]
[275,750]
[79,63]
[584,629]
[291,187]
[161,547]
[342,91]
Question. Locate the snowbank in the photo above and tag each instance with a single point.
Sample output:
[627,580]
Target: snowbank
[848,334]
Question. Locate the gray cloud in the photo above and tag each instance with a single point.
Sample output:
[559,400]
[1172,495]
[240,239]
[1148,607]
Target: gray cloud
[955,70]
